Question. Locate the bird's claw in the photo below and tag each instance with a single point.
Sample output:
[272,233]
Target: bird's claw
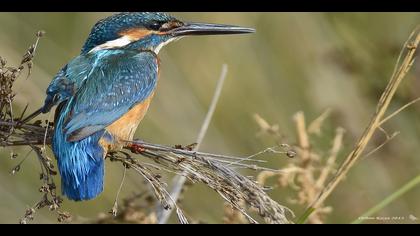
[136,148]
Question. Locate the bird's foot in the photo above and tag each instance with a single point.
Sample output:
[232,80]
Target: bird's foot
[136,148]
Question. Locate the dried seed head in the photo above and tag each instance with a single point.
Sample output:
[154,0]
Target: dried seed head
[63,217]
[40,34]
[291,153]
[15,170]
[3,61]
[13,155]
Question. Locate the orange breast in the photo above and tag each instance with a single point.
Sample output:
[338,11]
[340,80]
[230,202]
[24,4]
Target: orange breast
[124,128]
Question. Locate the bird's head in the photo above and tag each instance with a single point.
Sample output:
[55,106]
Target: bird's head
[148,31]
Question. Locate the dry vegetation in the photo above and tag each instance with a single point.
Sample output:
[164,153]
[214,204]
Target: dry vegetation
[216,171]
[310,173]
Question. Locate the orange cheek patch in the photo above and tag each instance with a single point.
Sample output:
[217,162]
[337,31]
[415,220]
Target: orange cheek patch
[136,34]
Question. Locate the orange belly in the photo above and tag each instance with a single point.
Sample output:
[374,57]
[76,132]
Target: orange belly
[124,128]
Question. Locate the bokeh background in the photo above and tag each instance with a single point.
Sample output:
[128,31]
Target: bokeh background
[295,62]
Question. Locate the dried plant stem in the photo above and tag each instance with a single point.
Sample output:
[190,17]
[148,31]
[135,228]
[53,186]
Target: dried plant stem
[179,181]
[315,126]
[399,110]
[306,179]
[114,209]
[401,71]
[388,139]
[212,107]
[337,145]
[303,137]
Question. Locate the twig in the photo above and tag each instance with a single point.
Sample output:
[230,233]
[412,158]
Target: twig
[388,139]
[398,111]
[267,150]
[315,126]
[114,210]
[179,181]
[400,73]
[19,165]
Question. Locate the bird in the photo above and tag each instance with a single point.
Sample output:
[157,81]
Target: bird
[102,95]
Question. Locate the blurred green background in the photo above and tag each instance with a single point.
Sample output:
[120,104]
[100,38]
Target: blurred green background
[295,62]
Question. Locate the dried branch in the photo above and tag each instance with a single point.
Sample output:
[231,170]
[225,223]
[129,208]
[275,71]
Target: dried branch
[401,70]
[232,186]
[13,134]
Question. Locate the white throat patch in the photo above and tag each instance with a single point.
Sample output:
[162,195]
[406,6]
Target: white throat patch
[158,48]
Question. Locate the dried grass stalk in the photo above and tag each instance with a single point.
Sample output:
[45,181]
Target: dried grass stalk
[215,171]
[400,72]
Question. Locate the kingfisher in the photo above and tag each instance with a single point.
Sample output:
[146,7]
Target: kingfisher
[103,94]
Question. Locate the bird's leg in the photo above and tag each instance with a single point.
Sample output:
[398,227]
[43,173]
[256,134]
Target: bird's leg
[136,148]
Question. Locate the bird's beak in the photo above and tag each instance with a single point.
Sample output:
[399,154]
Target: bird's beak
[208,29]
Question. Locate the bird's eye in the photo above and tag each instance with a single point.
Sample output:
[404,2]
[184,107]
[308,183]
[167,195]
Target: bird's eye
[155,25]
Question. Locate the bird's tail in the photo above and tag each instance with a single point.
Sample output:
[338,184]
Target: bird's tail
[81,163]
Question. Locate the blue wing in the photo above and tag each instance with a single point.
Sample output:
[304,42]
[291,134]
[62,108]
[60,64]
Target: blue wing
[118,81]
[67,81]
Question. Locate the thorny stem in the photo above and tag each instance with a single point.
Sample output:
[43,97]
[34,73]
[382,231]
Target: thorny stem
[386,98]
[179,181]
